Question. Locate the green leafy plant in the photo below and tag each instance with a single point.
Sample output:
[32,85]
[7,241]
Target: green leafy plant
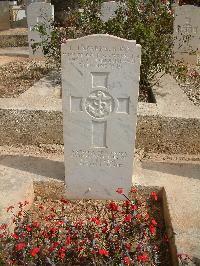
[150,23]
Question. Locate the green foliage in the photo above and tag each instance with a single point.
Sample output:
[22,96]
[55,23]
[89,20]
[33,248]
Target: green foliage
[150,23]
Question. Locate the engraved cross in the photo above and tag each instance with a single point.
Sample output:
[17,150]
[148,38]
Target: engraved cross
[98,105]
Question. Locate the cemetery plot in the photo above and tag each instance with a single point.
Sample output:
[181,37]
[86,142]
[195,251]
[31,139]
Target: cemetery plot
[89,232]
[17,37]
[18,76]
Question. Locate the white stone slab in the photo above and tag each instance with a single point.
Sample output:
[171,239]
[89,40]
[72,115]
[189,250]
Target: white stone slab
[100,77]
[187,32]
[4,15]
[38,13]
[108,10]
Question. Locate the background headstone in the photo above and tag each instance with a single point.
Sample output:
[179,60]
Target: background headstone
[187,32]
[100,77]
[18,17]
[4,15]
[108,10]
[38,13]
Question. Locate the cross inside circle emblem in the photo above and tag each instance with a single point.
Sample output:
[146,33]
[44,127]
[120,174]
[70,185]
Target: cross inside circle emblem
[99,104]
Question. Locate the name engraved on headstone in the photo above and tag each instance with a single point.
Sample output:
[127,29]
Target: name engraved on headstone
[104,57]
[99,158]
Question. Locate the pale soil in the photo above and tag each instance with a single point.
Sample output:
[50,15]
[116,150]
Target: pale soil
[53,151]
[16,31]
[7,59]
[20,74]
[192,89]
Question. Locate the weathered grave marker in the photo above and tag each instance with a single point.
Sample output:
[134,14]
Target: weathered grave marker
[100,76]
[108,10]
[187,32]
[42,13]
[4,15]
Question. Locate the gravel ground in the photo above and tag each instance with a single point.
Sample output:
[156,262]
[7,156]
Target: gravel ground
[18,76]
[192,92]
[191,87]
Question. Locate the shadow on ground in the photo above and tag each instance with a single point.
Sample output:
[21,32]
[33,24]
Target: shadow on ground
[37,166]
[190,170]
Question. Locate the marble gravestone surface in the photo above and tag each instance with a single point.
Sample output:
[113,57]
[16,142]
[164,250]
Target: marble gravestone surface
[108,10]
[187,33]
[100,81]
[4,15]
[38,13]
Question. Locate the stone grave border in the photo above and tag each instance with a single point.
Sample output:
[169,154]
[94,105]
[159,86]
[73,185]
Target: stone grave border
[171,125]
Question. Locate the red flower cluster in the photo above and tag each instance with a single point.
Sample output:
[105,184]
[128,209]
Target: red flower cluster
[103,236]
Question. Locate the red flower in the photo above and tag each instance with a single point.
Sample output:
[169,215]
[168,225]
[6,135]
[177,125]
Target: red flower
[104,230]
[133,207]
[68,240]
[117,228]
[41,207]
[165,238]
[28,228]
[133,190]
[20,246]
[120,191]
[54,246]
[154,195]
[34,251]
[15,236]
[62,255]
[128,246]
[127,260]
[10,208]
[143,258]
[113,206]
[152,229]
[35,224]
[64,201]
[3,226]
[153,222]
[103,252]
[127,203]
[138,216]
[128,218]
[96,220]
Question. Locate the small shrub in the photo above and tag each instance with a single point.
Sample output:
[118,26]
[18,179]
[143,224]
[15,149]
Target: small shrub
[150,23]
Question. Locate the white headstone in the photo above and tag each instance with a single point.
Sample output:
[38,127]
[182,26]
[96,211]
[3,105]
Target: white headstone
[187,32]
[42,14]
[4,15]
[100,77]
[108,10]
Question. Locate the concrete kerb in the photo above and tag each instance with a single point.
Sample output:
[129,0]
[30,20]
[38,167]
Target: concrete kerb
[171,125]
[14,38]
[15,51]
